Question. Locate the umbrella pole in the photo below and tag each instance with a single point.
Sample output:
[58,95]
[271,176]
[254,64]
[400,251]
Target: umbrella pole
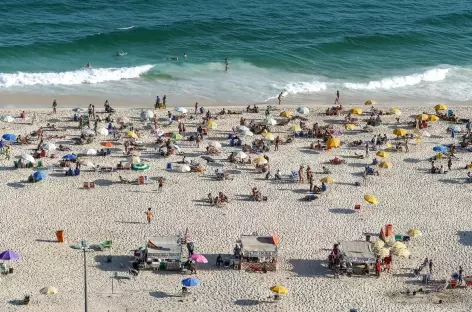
[85,279]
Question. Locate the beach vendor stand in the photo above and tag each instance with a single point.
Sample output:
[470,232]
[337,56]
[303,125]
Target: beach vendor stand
[162,253]
[357,257]
[257,253]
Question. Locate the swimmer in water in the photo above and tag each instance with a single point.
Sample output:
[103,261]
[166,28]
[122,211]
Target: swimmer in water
[89,65]
[226,67]
[185,55]
[120,53]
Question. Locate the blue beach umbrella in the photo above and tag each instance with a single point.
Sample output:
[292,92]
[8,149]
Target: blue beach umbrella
[69,157]
[441,148]
[9,137]
[9,255]
[40,175]
[191,281]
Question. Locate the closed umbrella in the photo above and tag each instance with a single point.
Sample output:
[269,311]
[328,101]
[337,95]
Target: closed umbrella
[8,119]
[102,131]
[9,137]
[49,290]
[28,158]
[370,102]
[190,282]
[399,132]
[40,175]
[49,146]
[371,199]
[303,110]
[440,107]
[181,109]
[214,144]
[279,289]
[9,255]
[333,142]
[198,258]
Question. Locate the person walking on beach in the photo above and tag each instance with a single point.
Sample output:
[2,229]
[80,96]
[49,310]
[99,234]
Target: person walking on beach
[312,183]
[158,102]
[54,106]
[300,175]
[155,122]
[161,184]
[148,215]
[196,108]
[407,149]
[460,274]
[336,101]
[164,101]
[280,97]
[431,267]
[367,149]
[364,177]
[277,143]
[449,163]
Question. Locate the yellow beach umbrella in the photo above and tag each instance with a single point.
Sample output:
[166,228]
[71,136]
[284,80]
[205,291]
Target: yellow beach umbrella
[385,164]
[296,128]
[49,290]
[388,146]
[383,154]
[370,102]
[405,253]
[383,252]
[349,126]
[395,111]
[260,161]
[371,199]
[328,180]
[422,117]
[212,124]
[433,118]
[399,132]
[440,107]
[333,142]
[131,134]
[269,136]
[378,244]
[286,114]
[414,232]
[356,111]
[398,245]
[279,289]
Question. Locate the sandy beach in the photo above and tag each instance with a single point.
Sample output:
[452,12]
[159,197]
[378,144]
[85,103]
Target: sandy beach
[409,197]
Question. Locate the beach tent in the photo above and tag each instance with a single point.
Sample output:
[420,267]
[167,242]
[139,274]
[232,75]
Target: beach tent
[7,119]
[91,152]
[49,290]
[241,155]
[385,164]
[383,154]
[176,136]
[286,114]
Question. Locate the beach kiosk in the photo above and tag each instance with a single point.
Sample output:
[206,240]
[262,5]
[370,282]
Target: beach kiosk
[163,253]
[358,257]
[257,253]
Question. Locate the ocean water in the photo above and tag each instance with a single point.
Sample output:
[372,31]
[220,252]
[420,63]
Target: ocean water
[412,50]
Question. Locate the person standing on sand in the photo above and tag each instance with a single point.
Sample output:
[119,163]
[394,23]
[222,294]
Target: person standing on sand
[54,106]
[196,108]
[93,111]
[280,97]
[364,177]
[449,163]
[300,175]
[161,184]
[277,143]
[312,183]
[367,149]
[164,101]
[407,149]
[148,215]
[431,267]
[155,122]
[378,267]
[308,173]
[336,101]
[460,274]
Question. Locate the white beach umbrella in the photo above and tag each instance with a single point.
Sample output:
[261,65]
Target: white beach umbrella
[303,110]
[49,146]
[123,120]
[49,290]
[270,121]
[456,128]
[146,115]
[91,152]
[28,158]
[185,168]
[134,159]
[88,163]
[248,133]
[214,144]
[181,109]
[8,119]
[241,155]
[242,129]
[102,131]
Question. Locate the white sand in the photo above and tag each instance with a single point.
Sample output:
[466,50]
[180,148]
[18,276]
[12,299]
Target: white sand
[409,196]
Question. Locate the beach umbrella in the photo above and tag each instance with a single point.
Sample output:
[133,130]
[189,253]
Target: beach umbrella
[441,148]
[370,102]
[28,158]
[349,126]
[140,167]
[395,111]
[303,110]
[185,168]
[405,253]
[181,109]
[440,107]
[399,245]
[102,131]
[91,152]
[88,132]
[269,136]
[49,146]
[198,258]
[383,154]
[123,120]
[378,244]
[422,117]
[212,124]
[134,159]
[356,111]
[270,121]
[328,180]
[296,128]
[433,118]
[279,289]
[49,290]
[385,164]
[456,128]
[88,163]
[108,144]
[371,199]
[40,175]
[241,155]
[383,252]
[176,136]
[69,157]
[9,137]
[214,144]
[248,133]
[260,161]
[9,255]
[8,119]
[333,142]
[190,282]
[131,134]
[286,114]
[399,132]
[414,232]
[242,129]
[425,133]
[146,115]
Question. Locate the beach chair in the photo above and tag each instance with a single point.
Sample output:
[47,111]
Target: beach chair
[450,113]
[86,185]
[294,176]
[357,207]
[92,185]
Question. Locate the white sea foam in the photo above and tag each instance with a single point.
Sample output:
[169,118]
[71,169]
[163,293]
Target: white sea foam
[125,28]
[81,76]
[305,87]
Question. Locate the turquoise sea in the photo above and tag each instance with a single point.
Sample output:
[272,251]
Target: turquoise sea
[414,50]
